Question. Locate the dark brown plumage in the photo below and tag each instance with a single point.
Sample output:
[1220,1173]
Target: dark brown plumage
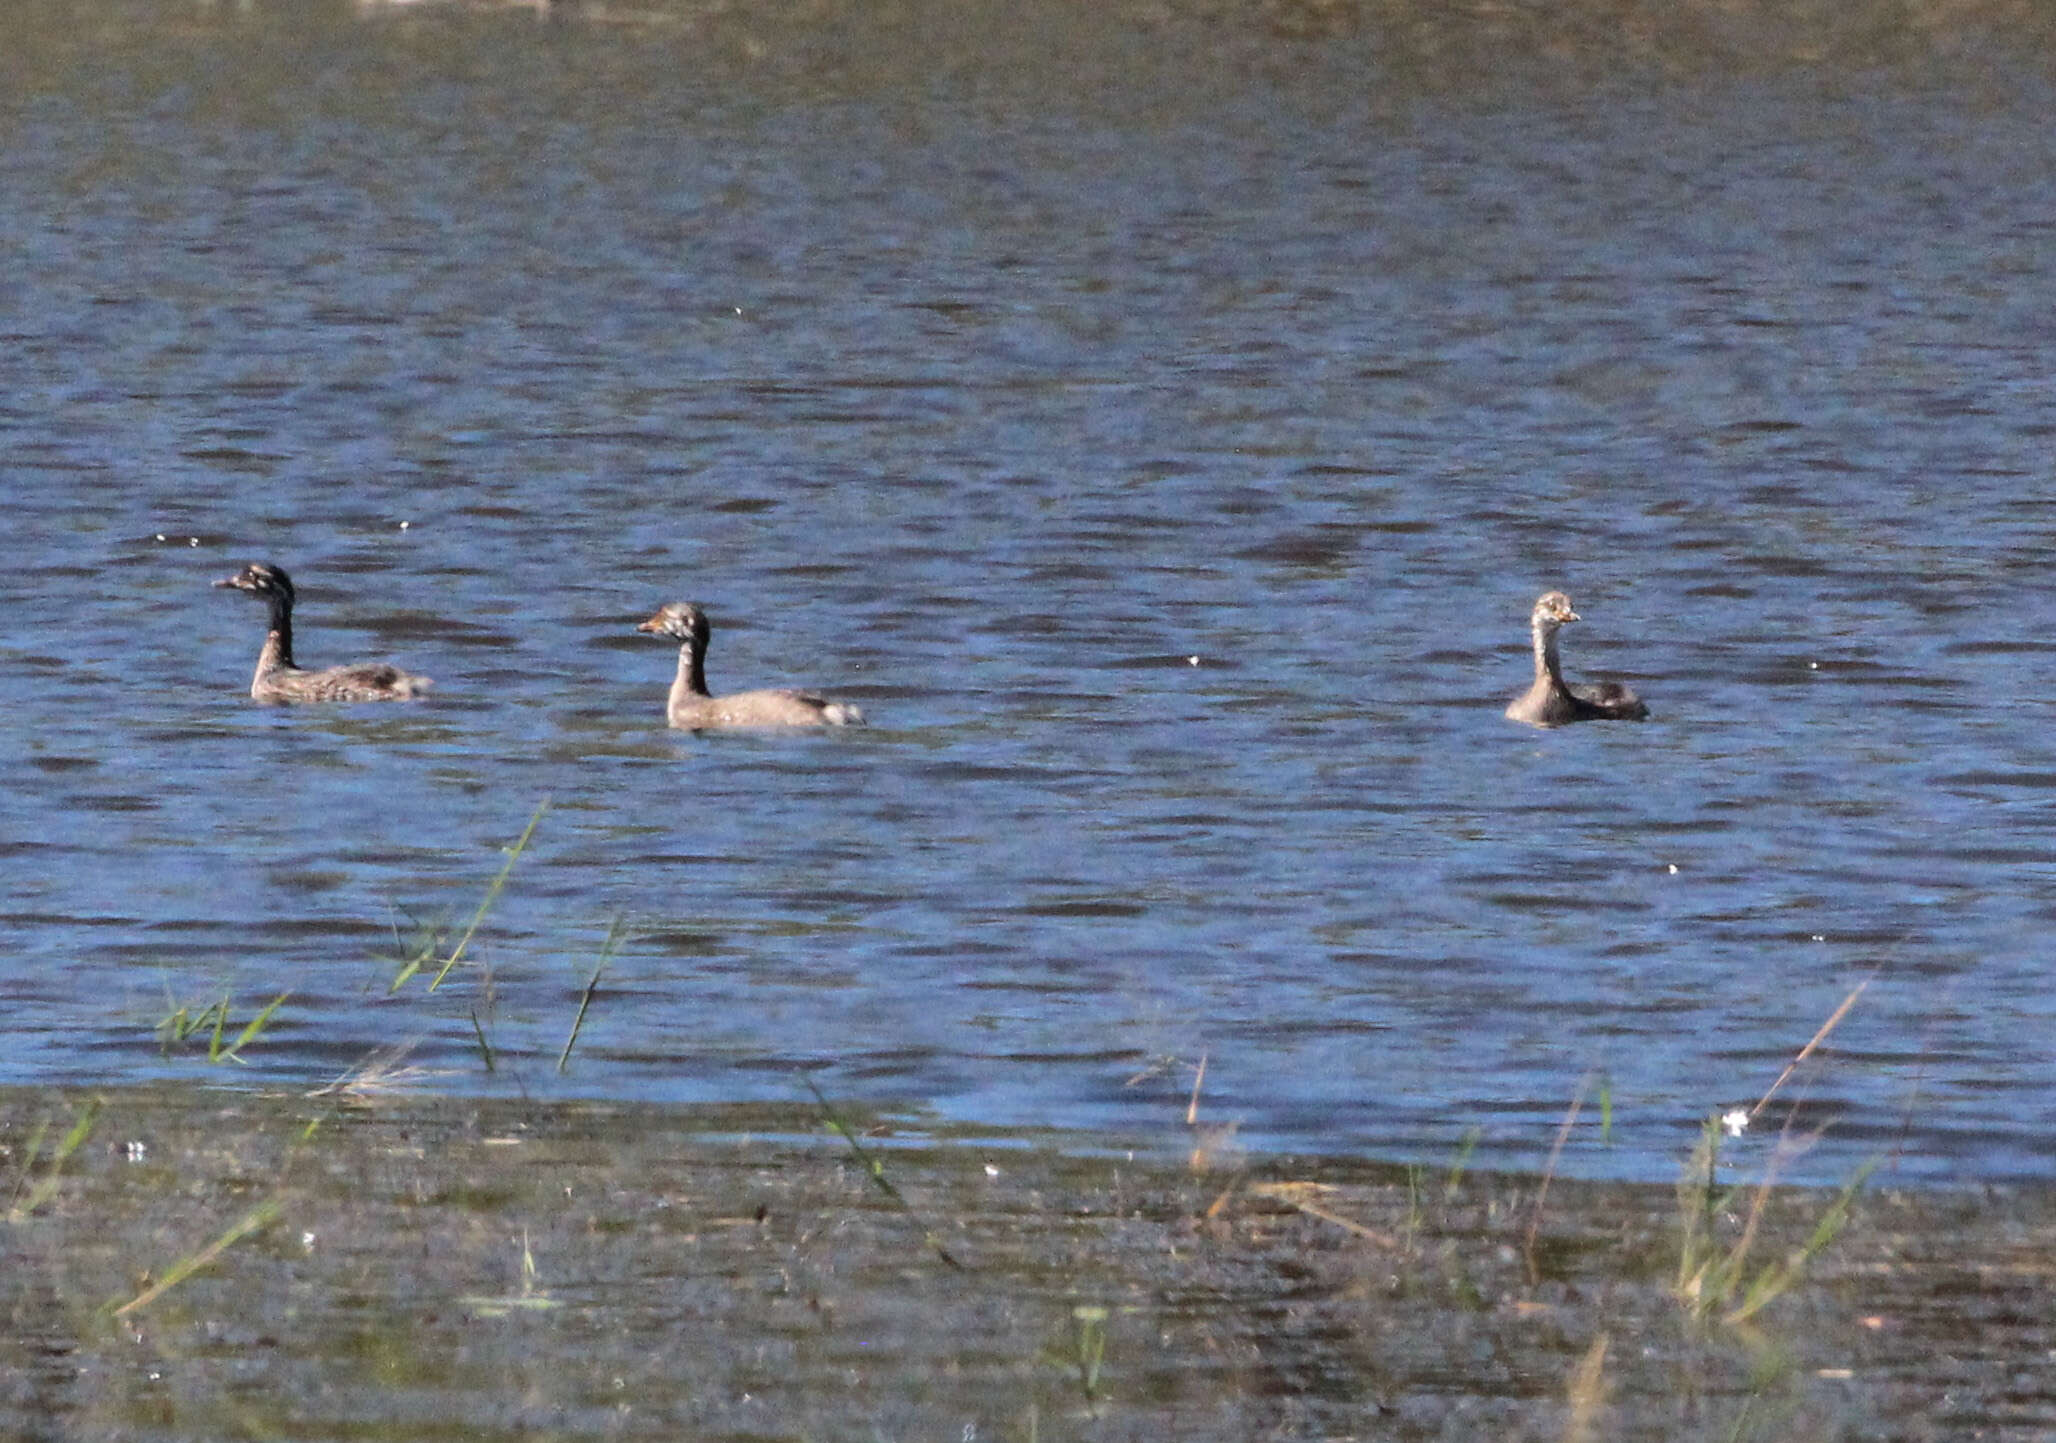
[280,679]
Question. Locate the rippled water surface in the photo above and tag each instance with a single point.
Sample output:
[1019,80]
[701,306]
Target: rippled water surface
[1163,443]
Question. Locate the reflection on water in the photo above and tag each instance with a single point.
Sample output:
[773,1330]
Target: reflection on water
[1161,429]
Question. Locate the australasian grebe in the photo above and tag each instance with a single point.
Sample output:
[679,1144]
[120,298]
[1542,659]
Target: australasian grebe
[1550,701]
[280,679]
[691,708]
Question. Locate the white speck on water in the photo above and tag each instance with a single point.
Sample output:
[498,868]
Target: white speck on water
[1735,1121]
[1192,661]
[1674,869]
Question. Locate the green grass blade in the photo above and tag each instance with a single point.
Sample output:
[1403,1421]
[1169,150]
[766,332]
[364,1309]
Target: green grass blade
[1461,1163]
[492,893]
[485,1048]
[80,1131]
[485,906]
[592,983]
[1779,1277]
[30,1193]
[214,1039]
[258,1217]
[254,1026]
[876,1169]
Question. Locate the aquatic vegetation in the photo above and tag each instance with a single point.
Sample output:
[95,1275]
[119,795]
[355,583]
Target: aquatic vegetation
[592,984]
[255,1220]
[181,1024]
[707,1254]
[875,1170]
[1461,1161]
[530,1297]
[383,1073]
[422,956]
[1563,1133]
[31,1191]
[1089,1349]
[1714,1277]
[485,1043]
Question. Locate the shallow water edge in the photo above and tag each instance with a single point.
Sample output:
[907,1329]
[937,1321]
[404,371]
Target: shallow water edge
[630,1271]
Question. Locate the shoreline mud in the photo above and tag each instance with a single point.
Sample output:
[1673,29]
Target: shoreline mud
[509,1270]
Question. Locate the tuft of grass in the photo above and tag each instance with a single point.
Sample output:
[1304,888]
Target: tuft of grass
[178,1026]
[1715,1276]
[420,960]
[32,1192]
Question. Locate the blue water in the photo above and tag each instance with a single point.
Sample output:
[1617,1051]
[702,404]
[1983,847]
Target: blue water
[1165,454]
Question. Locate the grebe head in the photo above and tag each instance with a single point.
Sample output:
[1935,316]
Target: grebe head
[261,578]
[680,620]
[1552,609]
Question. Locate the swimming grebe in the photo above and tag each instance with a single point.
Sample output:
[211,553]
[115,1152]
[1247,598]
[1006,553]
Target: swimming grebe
[692,709]
[280,679]
[1551,701]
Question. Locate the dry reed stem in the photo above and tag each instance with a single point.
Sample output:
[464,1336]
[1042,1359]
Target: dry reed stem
[1807,1051]
[1292,1194]
[1587,1393]
[1563,1133]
